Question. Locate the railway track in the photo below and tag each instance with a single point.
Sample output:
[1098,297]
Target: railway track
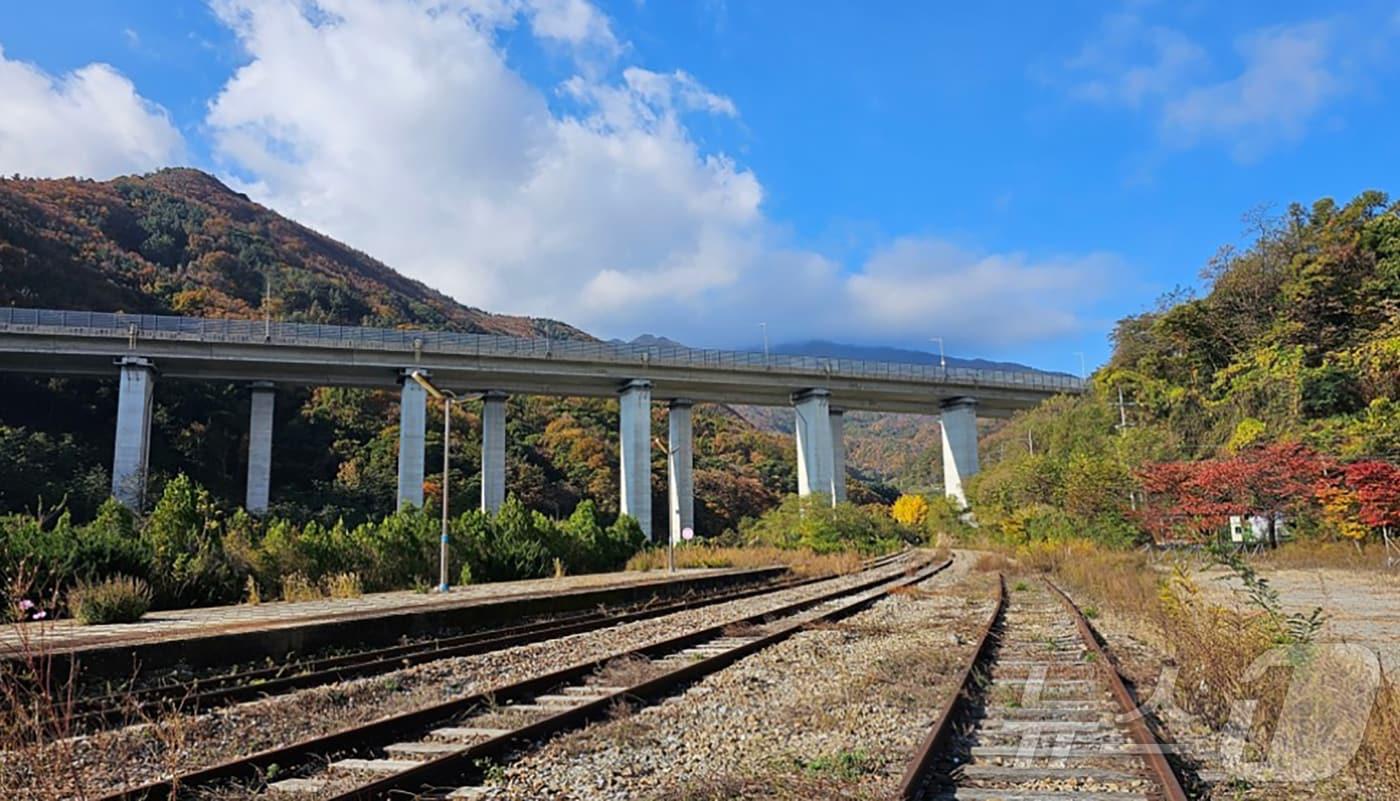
[97,712]
[439,751]
[1043,715]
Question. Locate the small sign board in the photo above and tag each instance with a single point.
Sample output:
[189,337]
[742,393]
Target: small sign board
[687,533]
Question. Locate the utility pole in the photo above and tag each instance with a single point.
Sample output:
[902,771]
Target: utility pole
[1123,429]
[267,309]
[764,326]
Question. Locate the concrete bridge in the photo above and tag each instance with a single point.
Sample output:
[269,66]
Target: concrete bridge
[264,354]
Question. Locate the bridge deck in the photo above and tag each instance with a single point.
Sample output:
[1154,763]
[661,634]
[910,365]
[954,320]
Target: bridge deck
[86,343]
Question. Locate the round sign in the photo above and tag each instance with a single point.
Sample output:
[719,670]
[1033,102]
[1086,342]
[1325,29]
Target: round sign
[687,533]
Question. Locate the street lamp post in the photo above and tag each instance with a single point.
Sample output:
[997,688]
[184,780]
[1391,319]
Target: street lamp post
[671,502]
[942,360]
[447,397]
[764,326]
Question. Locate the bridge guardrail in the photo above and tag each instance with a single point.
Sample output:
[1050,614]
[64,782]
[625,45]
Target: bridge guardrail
[154,326]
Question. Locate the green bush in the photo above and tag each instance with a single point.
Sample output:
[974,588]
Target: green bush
[191,553]
[813,523]
[119,599]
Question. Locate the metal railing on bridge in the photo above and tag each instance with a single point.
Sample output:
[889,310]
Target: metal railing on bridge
[198,329]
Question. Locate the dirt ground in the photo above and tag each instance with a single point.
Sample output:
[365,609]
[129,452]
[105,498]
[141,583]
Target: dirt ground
[1362,607]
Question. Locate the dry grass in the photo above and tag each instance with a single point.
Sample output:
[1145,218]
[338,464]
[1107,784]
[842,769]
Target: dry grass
[1214,647]
[1338,555]
[627,671]
[993,563]
[802,562]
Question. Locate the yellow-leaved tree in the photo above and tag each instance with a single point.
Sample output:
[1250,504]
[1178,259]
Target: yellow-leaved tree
[911,510]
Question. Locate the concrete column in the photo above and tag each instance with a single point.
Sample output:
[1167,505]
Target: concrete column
[680,468]
[838,455]
[260,447]
[413,422]
[132,453]
[635,450]
[959,424]
[493,451]
[814,454]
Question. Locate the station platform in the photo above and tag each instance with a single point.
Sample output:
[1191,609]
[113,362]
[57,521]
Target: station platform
[202,637]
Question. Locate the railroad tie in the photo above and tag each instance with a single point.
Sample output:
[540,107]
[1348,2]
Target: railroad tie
[372,765]
[467,733]
[296,786]
[423,748]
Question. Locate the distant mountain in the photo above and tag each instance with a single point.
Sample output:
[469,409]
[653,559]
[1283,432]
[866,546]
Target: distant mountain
[880,353]
[649,341]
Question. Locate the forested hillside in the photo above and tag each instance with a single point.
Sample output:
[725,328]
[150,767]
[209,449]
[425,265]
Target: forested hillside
[178,241]
[1276,391]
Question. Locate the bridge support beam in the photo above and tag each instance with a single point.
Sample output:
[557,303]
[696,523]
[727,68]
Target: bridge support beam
[635,453]
[680,468]
[838,455]
[413,422]
[959,424]
[133,442]
[493,451]
[260,447]
[815,468]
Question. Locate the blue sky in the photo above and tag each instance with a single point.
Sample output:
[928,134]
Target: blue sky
[1012,183]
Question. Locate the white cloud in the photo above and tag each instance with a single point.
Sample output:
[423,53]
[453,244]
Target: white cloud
[1132,62]
[1289,76]
[89,122]
[919,284]
[1283,79]
[401,128]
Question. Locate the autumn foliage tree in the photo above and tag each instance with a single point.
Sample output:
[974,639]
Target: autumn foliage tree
[1271,481]
[1376,486]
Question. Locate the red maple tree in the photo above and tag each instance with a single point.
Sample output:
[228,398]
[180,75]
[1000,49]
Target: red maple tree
[1377,488]
[1200,497]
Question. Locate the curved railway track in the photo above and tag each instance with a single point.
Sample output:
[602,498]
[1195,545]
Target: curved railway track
[438,751]
[1043,715]
[96,712]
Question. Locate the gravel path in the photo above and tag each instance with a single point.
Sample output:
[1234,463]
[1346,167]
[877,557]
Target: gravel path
[85,767]
[835,711]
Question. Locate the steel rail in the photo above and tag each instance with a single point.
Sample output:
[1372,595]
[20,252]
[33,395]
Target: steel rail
[210,692]
[1150,746]
[358,739]
[465,763]
[936,741]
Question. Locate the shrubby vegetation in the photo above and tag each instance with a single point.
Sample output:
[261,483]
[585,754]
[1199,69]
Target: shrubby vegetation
[1277,391]
[191,551]
[813,524]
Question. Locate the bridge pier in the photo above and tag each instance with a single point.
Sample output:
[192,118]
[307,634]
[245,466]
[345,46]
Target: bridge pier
[493,451]
[959,424]
[413,422]
[260,447]
[131,455]
[635,452]
[838,454]
[680,468]
[815,467]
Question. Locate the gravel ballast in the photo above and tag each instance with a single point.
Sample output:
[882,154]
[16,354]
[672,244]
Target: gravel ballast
[87,767]
[836,710]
